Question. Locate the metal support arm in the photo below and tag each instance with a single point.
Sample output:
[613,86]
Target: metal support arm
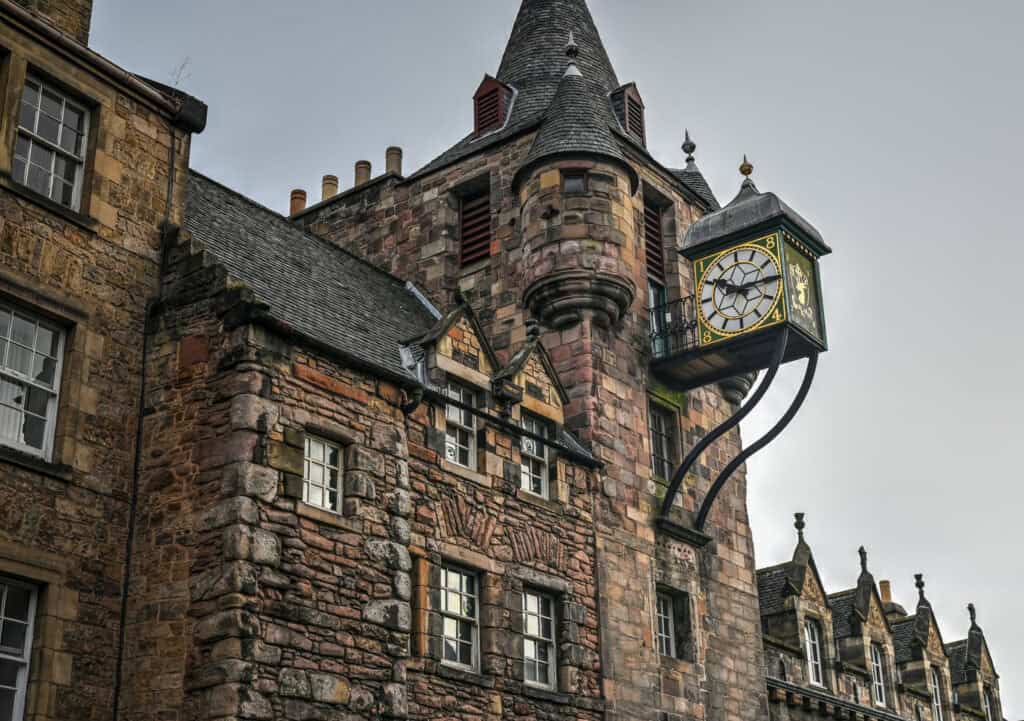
[801,396]
[734,420]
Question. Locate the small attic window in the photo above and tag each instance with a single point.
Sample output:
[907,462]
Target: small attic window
[490,105]
[629,108]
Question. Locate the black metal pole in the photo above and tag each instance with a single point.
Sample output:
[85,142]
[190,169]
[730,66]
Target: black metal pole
[801,396]
[705,443]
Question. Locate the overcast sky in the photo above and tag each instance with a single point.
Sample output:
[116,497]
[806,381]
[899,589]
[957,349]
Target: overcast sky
[894,127]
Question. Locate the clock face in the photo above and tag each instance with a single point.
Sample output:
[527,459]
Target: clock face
[739,290]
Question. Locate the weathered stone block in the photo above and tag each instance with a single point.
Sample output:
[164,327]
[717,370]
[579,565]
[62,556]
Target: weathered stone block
[360,458]
[285,458]
[293,682]
[227,624]
[233,510]
[395,615]
[327,688]
[396,556]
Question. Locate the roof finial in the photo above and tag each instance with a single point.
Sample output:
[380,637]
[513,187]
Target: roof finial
[800,525]
[746,168]
[919,583]
[974,615]
[532,329]
[689,147]
[572,51]
[863,559]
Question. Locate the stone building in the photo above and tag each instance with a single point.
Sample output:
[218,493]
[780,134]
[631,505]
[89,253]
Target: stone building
[400,454]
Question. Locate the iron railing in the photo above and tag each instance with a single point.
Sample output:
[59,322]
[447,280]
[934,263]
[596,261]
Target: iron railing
[673,328]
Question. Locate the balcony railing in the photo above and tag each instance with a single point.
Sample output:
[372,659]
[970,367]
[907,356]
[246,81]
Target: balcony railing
[673,328]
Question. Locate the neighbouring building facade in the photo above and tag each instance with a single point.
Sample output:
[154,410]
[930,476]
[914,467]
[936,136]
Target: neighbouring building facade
[399,454]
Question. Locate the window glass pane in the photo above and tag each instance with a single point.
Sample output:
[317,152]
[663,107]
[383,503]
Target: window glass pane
[316,451]
[11,393]
[30,96]
[35,431]
[17,603]
[51,104]
[5,323]
[38,179]
[18,170]
[19,359]
[316,496]
[8,674]
[466,654]
[37,401]
[22,146]
[13,635]
[74,119]
[24,331]
[10,424]
[44,370]
[48,128]
[333,454]
[27,117]
[6,704]
[46,341]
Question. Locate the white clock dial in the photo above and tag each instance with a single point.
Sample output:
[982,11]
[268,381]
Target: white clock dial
[740,290]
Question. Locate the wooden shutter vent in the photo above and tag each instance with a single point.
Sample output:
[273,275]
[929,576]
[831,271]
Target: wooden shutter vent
[629,108]
[654,243]
[475,228]
[490,104]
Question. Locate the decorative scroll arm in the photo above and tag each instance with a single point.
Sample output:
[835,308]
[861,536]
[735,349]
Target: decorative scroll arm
[716,487]
[732,422]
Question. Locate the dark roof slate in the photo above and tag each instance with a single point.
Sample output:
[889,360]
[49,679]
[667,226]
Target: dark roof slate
[771,588]
[692,178]
[903,633]
[312,286]
[844,605]
[958,660]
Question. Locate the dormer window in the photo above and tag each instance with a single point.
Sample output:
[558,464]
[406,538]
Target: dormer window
[491,104]
[629,108]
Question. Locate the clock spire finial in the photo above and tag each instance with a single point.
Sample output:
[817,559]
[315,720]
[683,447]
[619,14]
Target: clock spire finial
[689,147]
[746,167]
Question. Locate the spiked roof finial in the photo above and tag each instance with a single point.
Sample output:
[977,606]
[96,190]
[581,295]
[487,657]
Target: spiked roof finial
[689,147]
[746,167]
[919,583]
[572,51]
[863,559]
[800,525]
[974,615]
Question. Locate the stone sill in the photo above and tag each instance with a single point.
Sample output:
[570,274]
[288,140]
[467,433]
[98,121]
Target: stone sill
[547,504]
[82,221]
[35,464]
[546,694]
[465,473]
[456,674]
[328,518]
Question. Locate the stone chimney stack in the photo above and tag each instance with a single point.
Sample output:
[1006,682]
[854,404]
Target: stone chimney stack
[298,203]
[329,187]
[393,160]
[885,589]
[363,172]
[73,17]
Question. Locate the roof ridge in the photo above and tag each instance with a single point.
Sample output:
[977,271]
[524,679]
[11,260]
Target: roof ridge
[297,229]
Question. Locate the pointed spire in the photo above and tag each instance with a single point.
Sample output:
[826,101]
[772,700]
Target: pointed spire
[863,559]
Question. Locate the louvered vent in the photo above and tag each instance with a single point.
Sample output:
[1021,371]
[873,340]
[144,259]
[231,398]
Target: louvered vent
[654,243]
[475,228]
[635,119]
[488,111]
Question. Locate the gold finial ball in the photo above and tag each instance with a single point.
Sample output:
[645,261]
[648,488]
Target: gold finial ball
[746,169]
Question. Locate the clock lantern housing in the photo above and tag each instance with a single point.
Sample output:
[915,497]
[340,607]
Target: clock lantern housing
[755,272]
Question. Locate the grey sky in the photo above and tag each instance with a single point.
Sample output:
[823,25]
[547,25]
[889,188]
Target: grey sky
[894,127]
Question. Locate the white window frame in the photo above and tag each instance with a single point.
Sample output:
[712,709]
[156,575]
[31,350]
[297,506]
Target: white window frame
[813,644]
[878,675]
[539,639]
[461,595]
[324,486]
[666,624]
[936,683]
[535,461]
[22,659]
[26,381]
[34,138]
[459,421]
[987,703]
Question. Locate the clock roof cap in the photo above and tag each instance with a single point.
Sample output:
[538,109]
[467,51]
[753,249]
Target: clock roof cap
[750,210]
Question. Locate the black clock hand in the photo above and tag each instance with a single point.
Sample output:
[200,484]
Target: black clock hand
[762,281]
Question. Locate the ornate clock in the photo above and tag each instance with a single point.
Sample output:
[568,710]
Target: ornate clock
[755,273]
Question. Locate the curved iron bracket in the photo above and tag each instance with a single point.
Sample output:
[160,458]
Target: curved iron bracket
[801,396]
[734,420]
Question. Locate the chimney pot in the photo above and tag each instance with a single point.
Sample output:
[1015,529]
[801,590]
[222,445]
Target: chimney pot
[885,590]
[298,203]
[393,157]
[363,171]
[330,187]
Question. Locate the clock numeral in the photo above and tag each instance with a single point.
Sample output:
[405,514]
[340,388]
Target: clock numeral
[707,337]
[771,243]
[777,317]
